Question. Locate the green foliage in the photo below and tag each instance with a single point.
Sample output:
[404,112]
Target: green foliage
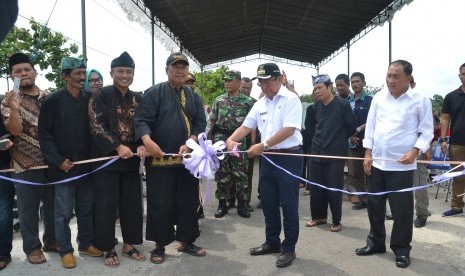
[209,84]
[308,98]
[436,102]
[46,49]
[372,90]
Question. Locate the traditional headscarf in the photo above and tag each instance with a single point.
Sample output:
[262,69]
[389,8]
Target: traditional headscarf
[324,78]
[72,63]
[88,72]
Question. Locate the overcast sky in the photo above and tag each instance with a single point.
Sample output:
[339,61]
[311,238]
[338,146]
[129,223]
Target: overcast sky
[427,33]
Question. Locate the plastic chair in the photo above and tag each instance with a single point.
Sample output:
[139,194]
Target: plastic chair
[437,169]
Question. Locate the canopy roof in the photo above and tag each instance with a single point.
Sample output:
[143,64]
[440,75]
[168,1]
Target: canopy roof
[213,31]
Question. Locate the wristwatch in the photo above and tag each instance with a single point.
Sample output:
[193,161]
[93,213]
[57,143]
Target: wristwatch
[265,146]
[358,129]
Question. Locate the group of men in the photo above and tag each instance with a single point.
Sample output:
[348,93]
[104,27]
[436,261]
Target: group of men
[75,124]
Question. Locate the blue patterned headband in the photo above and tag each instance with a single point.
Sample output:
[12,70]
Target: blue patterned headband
[321,79]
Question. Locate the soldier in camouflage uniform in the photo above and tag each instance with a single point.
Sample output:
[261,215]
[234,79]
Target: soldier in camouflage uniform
[228,112]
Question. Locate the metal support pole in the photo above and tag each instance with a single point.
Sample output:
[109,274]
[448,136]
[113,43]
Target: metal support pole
[348,59]
[153,49]
[84,43]
[201,82]
[390,42]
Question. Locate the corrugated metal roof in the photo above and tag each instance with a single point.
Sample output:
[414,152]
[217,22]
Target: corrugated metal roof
[305,31]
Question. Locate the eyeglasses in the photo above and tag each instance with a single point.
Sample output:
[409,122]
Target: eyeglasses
[266,83]
[95,81]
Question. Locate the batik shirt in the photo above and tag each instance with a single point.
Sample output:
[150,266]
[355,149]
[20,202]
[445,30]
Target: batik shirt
[26,151]
[111,123]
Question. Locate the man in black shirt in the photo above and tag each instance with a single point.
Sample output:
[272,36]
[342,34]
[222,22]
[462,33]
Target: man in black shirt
[64,137]
[169,114]
[453,112]
[118,186]
[330,126]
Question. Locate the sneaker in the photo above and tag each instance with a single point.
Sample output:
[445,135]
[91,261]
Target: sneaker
[91,251]
[452,213]
[419,222]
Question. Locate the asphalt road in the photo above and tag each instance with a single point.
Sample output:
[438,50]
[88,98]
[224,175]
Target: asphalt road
[438,248]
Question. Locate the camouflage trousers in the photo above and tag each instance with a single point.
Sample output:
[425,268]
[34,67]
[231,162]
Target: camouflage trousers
[233,171]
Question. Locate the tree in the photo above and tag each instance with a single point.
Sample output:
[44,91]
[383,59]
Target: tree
[210,84]
[46,49]
[308,98]
[436,102]
[372,90]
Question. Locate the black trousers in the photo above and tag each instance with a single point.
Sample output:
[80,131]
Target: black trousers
[328,174]
[117,190]
[401,207]
[172,199]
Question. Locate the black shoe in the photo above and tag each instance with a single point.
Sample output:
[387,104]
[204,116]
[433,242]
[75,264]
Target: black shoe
[222,209]
[249,208]
[367,250]
[200,213]
[221,212]
[259,205]
[231,204]
[285,259]
[402,261]
[242,209]
[243,212]
[359,206]
[389,217]
[419,222]
[264,249]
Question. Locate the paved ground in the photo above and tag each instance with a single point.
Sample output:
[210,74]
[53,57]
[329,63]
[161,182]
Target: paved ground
[438,249]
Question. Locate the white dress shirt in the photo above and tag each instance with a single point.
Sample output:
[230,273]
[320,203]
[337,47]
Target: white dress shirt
[395,126]
[270,116]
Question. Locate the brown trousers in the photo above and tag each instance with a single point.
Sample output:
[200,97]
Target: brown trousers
[457,153]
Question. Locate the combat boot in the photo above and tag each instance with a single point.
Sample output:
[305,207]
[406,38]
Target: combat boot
[222,209]
[242,209]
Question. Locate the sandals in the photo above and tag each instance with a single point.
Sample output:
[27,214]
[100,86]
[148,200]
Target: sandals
[193,250]
[51,247]
[335,227]
[36,253]
[315,222]
[4,261]
[113,256]
[157,256]
[133,251]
